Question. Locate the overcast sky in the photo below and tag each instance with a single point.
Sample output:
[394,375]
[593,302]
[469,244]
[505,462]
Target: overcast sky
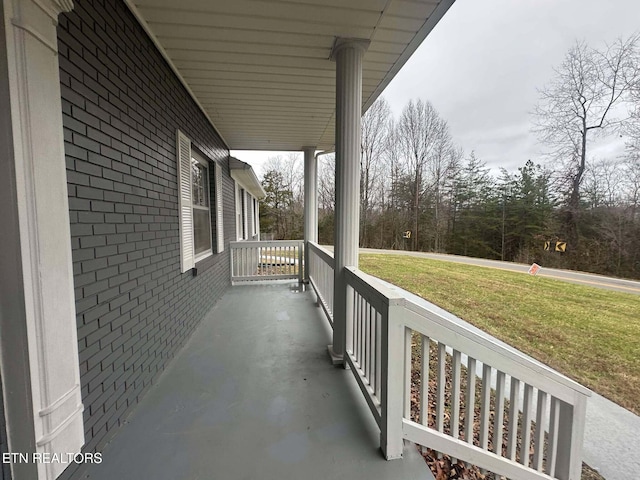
[481,65]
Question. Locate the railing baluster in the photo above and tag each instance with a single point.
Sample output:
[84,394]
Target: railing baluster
[470,400]
[455,396]
[367,347]
[512,435]
[351,340]
[378,354]
[372,342]
[541,416]
[372,364]
[358,301]
[361,335]
[485,407]
[424,381]
[526,425]
[407,373]
[552,448]
[498,415]
[442,356]
[244,262]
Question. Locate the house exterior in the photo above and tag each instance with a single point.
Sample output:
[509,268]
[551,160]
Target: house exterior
[249,192]
[119,198]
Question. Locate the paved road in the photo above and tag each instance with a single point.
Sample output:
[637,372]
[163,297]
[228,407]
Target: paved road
[598,281]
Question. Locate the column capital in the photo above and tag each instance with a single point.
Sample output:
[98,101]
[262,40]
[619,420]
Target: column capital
[55,7]
[307,148]
[38,18]
[341,43]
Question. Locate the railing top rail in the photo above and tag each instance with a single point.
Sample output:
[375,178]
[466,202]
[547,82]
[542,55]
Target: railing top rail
[325,254]
[371,288]
[265,243]
[458,328]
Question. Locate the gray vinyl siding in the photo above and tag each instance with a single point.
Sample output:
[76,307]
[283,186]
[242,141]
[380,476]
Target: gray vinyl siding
[122,106]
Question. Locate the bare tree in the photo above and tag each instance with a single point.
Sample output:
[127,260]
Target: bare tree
[631,183]
[327,182]
[603,183]
[326,197]
[282,177]
[445,164]
[421,132]
[584,101]
[395,170]
[375,125]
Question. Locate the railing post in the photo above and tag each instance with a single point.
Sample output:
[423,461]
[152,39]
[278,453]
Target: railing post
[231,262]
[310,204]
[570,438]
[301,256]
[392,376]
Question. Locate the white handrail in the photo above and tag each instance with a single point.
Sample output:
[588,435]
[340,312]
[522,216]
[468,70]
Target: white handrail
[390,342]
[561,402]
[321,277]
[253,261]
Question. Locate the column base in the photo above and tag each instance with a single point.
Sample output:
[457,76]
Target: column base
[335,358]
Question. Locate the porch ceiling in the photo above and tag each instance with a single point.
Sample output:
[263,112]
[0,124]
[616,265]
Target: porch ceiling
[260,69]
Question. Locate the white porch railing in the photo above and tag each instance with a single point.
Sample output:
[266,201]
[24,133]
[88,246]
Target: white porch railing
[321,266]
[394,348]
[272,260]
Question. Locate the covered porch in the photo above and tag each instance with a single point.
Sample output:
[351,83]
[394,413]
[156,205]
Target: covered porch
[253,395]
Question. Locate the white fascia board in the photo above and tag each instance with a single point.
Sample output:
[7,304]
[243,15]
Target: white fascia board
[244,174]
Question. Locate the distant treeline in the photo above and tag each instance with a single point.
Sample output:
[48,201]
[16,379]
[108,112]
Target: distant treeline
[419,191]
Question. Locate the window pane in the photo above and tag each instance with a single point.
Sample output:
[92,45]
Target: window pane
[201,230]
[200,184]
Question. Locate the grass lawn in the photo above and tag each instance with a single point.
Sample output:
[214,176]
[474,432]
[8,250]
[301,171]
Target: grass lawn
[588,334]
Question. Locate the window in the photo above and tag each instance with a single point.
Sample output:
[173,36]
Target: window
[219,211]
[254,225]
[200,204]
[241,213]
[243,199]
[195,205]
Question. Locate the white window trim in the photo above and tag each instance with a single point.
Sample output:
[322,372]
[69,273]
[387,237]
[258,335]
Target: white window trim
[187,260]
[253,216]
[188,257]
[207,253]
[257,218]
[238,212]
[245,216]
[219,209]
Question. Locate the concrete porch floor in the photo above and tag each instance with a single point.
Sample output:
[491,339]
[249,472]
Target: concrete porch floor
[253,395]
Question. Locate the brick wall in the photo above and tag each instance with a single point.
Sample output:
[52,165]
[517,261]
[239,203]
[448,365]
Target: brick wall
[121,107]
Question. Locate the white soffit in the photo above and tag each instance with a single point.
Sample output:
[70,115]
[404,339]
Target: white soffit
[260,68]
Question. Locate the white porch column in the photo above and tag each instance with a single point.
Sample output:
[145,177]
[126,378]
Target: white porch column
[38,345]
[310,203]
[348,54]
